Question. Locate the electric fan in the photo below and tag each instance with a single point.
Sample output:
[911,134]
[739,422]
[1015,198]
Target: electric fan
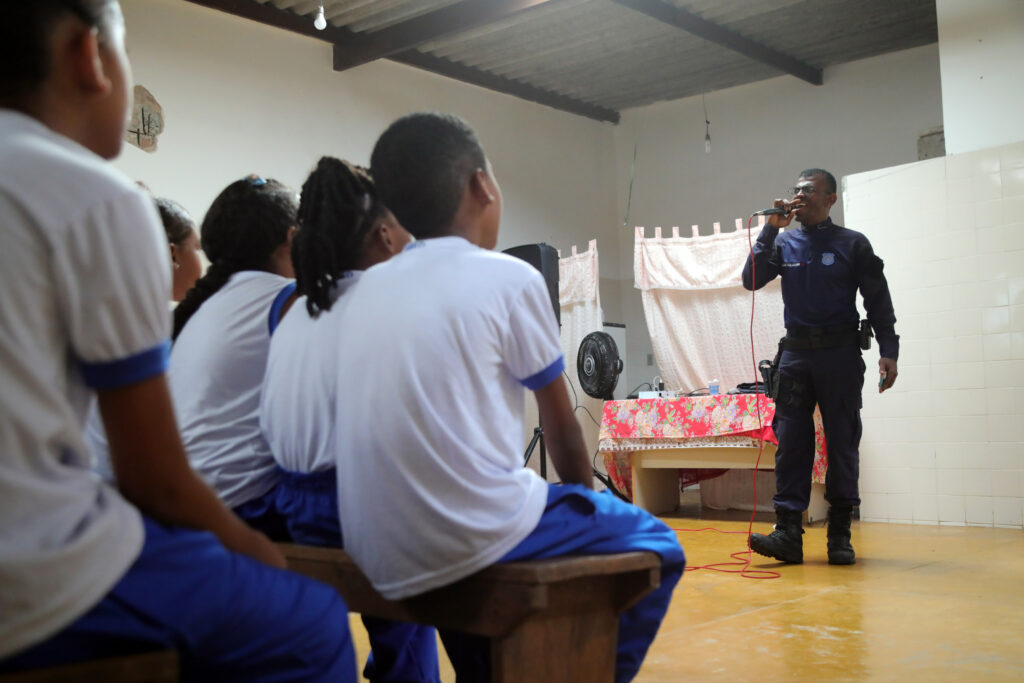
[598,365]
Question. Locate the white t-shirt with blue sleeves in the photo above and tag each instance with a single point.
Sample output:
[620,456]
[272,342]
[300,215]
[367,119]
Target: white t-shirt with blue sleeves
[435,350]
[299,392]
[85,281]
[216,374]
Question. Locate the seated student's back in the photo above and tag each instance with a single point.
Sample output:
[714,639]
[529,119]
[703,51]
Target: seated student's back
[444,338]
[223,330]
[296,401]
[215,369]
[344,230]
[437,411]
[85,282]
[66,537]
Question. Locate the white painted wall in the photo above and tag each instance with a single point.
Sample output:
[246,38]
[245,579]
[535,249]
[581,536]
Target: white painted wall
[945,445]
[981,52]
[243,98]
[867,115]
[239,98]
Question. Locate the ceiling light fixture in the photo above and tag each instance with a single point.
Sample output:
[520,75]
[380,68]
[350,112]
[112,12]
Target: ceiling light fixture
[320,23]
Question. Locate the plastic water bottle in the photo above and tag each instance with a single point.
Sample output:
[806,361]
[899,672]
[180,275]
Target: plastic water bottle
[713,387]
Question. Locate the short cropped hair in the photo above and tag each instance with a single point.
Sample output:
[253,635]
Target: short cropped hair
[422,165]
[25,32]
[830,180]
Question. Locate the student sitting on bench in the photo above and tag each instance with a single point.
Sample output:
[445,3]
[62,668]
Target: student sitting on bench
[343,230]
[221,339]
[88,571]
[435,348]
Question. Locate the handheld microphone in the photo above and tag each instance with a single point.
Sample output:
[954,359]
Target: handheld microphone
[778,210]
[774,211]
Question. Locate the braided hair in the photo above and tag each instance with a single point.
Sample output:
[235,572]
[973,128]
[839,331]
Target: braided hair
[338,210]
[245,224]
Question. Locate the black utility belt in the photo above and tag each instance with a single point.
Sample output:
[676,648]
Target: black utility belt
[820,341]
[815,338]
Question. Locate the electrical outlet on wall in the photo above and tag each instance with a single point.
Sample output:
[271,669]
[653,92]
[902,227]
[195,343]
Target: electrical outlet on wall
[650,359]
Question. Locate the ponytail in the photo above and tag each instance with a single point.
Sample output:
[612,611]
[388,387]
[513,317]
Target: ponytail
[245,224]
[216,276]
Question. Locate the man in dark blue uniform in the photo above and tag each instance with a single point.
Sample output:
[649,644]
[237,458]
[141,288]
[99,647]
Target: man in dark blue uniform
[822,266]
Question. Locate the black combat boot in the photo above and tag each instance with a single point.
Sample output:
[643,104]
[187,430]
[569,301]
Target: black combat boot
[785,543]
[839,549]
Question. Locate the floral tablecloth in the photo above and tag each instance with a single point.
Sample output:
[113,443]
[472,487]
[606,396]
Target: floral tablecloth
[694,421]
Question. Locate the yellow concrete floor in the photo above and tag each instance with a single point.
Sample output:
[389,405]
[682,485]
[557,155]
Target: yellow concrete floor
[923,603]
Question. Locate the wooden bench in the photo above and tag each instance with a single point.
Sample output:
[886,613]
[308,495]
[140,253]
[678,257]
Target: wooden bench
[150,667]
[548,620]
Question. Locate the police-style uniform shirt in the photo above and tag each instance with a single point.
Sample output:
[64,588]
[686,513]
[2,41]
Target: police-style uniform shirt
[435,349]
[86,279]
[299,390]
[822,267]
[216,373]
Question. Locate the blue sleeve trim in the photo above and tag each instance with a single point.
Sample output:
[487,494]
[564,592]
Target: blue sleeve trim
[545,376]
[125,371]
[275,308]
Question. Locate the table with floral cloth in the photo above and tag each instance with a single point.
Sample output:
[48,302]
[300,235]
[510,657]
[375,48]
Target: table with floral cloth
[726,420]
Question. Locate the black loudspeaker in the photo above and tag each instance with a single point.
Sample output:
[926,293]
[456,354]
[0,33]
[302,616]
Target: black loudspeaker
[544,258]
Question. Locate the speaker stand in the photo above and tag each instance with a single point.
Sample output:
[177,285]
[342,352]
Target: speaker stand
[538,437]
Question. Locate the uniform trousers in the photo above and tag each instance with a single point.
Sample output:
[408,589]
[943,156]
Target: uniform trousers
[578,521]
[229,617]
[834,379]
[304,506]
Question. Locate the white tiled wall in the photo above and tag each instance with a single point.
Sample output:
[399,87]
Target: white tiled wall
[946,444]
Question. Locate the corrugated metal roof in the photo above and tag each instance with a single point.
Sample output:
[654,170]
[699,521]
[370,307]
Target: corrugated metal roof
[603,53]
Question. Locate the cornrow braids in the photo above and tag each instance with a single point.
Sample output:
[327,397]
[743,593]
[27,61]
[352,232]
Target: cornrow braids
[336,214]
[245,224]
[178,224]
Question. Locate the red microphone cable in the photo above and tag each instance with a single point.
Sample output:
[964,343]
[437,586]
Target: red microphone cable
[744,562]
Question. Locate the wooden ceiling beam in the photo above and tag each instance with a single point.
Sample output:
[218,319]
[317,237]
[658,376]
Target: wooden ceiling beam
[702,28]
[278,18]
[410,34]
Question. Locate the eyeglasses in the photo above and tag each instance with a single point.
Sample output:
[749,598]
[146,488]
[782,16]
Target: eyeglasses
[806,190]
